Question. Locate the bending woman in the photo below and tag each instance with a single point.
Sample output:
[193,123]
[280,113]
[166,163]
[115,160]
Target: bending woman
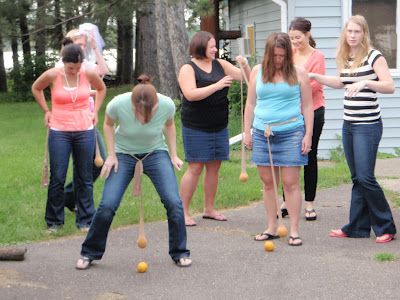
[143,116]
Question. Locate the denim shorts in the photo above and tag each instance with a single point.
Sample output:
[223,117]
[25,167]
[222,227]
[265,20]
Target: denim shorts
[201,146]
[285,148]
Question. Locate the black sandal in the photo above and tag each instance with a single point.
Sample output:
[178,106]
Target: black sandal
[265,236]
[292,238]
[310,211]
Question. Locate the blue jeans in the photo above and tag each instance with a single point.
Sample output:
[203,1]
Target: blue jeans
[158,167]
[369,207]
[61,145]
[69,190]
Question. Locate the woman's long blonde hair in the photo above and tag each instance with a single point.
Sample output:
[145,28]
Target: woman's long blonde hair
[343,53]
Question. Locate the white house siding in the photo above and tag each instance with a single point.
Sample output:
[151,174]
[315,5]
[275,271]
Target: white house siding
[264,14]
[326,19]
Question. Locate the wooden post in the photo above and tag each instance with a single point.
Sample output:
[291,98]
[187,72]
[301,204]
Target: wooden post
[12,253]
[211,24]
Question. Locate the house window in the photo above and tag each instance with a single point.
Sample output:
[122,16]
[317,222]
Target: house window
[381,18]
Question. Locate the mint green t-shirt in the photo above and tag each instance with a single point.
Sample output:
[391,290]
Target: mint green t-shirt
[133,137]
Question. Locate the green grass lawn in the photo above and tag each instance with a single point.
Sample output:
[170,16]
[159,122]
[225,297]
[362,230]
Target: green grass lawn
[23,200]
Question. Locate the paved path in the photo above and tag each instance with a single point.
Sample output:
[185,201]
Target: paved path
[228,264]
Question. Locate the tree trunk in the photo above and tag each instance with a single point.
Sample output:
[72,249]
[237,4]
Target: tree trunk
[165,61]
[124,51]
[27,70]
[178,35]
[58,34]
[14,48]
[25,39]
[3,75]
[162,35]
[146,43]
[40,41]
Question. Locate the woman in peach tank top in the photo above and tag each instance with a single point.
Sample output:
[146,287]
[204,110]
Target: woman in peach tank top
[305,55]
[71,131]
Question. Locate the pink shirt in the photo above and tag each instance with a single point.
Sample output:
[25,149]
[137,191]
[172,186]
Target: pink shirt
[70,106]
[316,64]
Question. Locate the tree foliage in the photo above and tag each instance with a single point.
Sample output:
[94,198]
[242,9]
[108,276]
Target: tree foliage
[31,29]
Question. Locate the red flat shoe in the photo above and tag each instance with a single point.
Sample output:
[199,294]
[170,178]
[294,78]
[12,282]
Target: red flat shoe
[385,238]
[338,233]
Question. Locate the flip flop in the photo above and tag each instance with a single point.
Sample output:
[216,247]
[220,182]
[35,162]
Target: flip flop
[265,236]
[385,238]
[293,238]
[190,224]
[309,212]
[217,217]
[338,233]
[83,263]
[184,262]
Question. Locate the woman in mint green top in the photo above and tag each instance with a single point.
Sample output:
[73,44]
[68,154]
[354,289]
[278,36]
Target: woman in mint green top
[144,118]
[279,108]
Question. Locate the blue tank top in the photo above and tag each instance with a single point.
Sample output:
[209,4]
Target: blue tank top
[277,103]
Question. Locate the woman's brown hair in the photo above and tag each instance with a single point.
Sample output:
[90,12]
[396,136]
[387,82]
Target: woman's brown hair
[144,96]
[303,25]
[198,44]
[278,40]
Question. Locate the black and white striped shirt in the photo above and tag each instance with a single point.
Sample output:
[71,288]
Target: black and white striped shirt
[364,107]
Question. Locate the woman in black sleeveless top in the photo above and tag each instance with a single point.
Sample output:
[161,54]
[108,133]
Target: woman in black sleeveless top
[204,82]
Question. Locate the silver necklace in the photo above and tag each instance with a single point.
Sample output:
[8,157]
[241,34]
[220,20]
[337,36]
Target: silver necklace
[73,97]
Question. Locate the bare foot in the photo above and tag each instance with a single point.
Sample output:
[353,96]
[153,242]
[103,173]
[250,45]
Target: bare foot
[214,216]
[190,222]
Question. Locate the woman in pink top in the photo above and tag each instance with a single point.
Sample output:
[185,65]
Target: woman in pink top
[312,60]
[71,130]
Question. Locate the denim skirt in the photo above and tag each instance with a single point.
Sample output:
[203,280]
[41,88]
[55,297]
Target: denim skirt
[201,146]
[285,148]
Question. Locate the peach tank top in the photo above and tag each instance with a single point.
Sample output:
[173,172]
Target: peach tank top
[70,106]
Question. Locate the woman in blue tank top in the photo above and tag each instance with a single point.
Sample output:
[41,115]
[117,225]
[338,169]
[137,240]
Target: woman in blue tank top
[279,99]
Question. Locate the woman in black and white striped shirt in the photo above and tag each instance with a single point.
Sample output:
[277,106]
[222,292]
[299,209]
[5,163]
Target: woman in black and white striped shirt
[363,73]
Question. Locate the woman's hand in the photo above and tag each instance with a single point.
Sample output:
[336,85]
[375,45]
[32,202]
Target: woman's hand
[91,40]
[95,118]
[306,144]
[111,162]
[177,162]
[241,60]
[354,88]
[47,117]
[224,82]
[247,140]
